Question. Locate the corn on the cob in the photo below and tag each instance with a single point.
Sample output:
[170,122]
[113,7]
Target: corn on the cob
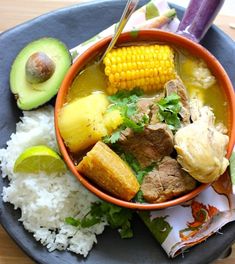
[145,67]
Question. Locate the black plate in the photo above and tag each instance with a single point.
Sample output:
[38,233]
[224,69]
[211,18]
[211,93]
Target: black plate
[74,25]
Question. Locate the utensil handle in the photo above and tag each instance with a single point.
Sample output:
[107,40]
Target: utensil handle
[129,9]
[198,17]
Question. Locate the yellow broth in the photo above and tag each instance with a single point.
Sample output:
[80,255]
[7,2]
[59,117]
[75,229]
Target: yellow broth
[211,96]
[92,79]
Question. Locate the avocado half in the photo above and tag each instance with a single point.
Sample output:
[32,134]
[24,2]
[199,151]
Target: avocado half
[37,72]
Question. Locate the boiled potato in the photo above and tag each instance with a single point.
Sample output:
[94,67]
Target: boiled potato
[112,120]
[81,122]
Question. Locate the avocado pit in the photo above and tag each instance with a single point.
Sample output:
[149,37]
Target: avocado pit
[39,68]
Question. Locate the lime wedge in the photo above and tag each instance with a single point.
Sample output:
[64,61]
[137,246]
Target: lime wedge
[39,158]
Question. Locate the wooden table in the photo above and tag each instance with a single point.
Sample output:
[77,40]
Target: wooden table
[14,12]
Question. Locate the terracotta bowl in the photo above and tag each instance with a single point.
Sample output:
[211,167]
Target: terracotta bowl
[148,36]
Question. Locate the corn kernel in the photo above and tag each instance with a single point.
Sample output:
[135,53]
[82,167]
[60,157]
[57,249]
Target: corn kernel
[122,75]
[116,77]
[107,70]
[124,66]
[111,78]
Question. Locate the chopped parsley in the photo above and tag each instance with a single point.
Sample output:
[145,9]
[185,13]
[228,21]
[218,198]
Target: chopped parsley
[125,101]
[169,108]
[117,218]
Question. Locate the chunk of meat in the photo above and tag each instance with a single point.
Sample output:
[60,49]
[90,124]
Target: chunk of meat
[176,86]
[154,119]
[201,147]
[166,182]
[151,145]
[144,106]
[148,107]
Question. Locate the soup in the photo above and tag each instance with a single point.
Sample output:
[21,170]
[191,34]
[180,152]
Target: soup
[149,125]
[94,79]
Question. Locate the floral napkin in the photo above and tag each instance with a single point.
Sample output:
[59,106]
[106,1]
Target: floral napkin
[182,226]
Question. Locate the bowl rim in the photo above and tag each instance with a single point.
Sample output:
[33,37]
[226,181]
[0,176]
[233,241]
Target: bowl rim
[161,35]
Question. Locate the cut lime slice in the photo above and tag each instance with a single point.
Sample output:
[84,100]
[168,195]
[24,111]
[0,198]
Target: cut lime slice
[39,158]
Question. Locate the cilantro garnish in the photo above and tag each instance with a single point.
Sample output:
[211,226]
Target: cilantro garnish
[169,108]
[117,217]
[139,197]
[114,137]
[139,172]
[134,164]
[72,221]
[125,102]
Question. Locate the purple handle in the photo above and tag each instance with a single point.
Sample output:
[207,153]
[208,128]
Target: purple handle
[198,17]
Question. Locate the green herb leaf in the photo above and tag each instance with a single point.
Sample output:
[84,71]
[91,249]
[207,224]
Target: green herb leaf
[72,221]
[169,108]
[113,138]
[131,160]
[125,102]
[139,172]
[143,172]
[117,217]
[139,197]
[136,127]
[90,221]
[134,164]
[126,231]
[129,96]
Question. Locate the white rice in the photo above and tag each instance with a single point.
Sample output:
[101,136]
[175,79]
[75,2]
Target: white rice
[46,200]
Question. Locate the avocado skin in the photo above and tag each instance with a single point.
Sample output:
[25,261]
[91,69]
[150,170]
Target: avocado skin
[32,95]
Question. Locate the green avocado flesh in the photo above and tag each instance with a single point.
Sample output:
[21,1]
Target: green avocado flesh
[31,95]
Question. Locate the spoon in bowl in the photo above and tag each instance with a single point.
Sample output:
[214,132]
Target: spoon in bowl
[94,72]
[129,9]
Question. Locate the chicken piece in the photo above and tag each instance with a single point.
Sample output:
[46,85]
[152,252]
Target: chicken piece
[201,148]
[200,112]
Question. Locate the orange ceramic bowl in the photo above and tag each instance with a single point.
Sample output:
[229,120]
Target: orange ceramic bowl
[146,36]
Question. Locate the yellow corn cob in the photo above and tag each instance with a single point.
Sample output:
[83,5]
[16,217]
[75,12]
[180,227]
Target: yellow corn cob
[145,67]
